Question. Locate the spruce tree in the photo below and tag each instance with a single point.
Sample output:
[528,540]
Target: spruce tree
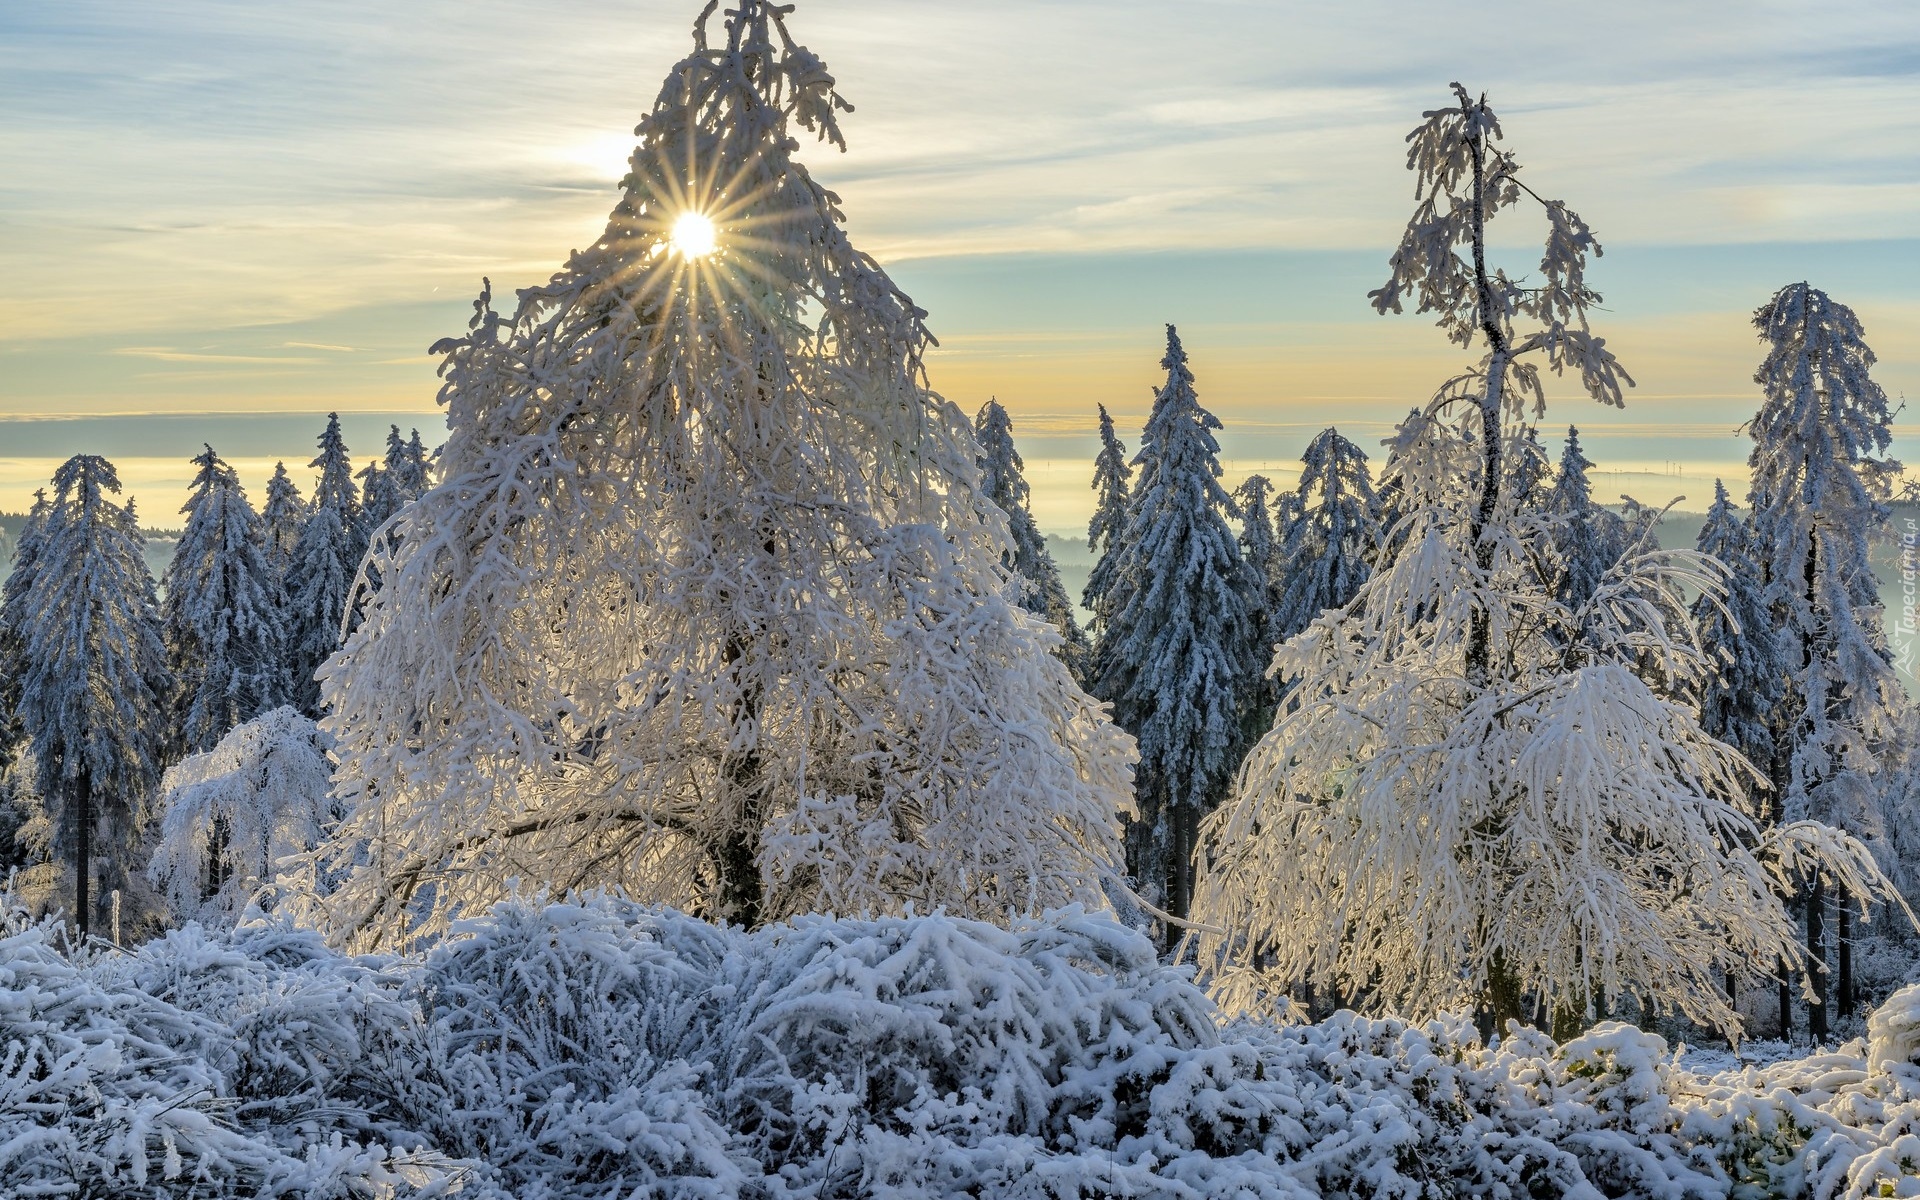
[13,618]
[282,520]
[378,499]
[1590,538]
[710,605]
[1334,536]
[1176,655]
[93,677]
[326,560]
[1820,478]
[1037,579]
[1749,674]
[1529,469]
[1260,548]
[415,469]
[1107,530]
[223,613]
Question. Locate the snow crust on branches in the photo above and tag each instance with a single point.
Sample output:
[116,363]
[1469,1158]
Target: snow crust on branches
[601,1048]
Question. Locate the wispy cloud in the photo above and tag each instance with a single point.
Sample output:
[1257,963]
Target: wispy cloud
[167,354]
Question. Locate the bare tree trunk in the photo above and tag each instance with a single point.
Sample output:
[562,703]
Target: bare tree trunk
[742,897]
[1843,953]
[1503,995]
[83,852]
[1480,627]
[1786,1002]
[1817,960]
[1178,828]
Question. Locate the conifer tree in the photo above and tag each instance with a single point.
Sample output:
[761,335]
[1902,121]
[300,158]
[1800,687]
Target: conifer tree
[1177,652]
[326,560]
[1590,538]
[282,520]
[1260,548]
[378,499]
[1820,478]
[1334,537]
[92,677]
[223,613]
[1107,529]
[1529,470]
[415,469]
[13,618]
[1745,685]
[709,603]
[1037,579]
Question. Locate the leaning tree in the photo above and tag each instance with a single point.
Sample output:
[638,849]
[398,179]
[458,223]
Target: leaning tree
[1478,791]
[708,602]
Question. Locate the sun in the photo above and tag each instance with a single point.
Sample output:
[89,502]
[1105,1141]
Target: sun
[693,235]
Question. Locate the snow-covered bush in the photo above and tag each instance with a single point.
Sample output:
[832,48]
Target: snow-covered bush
[235,814]
[602,1048]
[113,1083]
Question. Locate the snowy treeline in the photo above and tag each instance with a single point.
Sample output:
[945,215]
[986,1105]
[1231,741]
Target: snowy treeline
[1510,754]
[711,602]
[110,678]
[605,1049]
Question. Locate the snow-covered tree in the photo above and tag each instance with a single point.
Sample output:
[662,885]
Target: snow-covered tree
[392,482]
[408,465]
[233,817]
[1107,529]
[93,677]
[378,499]
[1334,536]
[1477,792]
[1590,538]
[326,560]
[1529,469]
[1261,550]
[1177,654]
[1258,541]
[1411,438]
[1463,180]
[1820,478]
[1413,840]
[708,603]
[1748,674]
[282,520]
[1037,579]
[15,598]
[223,613]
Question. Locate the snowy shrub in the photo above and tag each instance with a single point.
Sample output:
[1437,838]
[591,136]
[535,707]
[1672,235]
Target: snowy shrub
[605,1049]
[572,1039]
[114,1083]
[232,815]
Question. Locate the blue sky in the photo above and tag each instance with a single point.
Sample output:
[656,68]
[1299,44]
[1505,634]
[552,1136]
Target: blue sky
[269,211]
